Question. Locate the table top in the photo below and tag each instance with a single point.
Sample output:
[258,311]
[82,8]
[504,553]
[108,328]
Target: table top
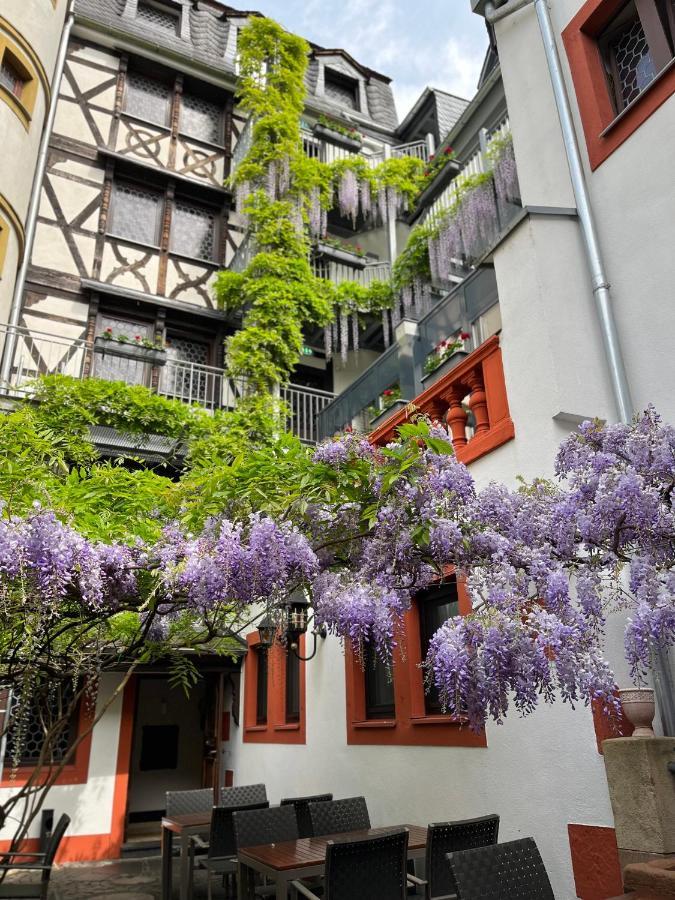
[187,820]
[308,852]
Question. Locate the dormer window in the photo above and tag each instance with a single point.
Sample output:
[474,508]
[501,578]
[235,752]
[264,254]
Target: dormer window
[341,89]
[158,16]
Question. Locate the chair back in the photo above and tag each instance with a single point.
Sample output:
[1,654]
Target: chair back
[368,868]
[221,838]
[264,826]
[448,837]
[243,795]
[510,871]
[301,805]
[338,816]
[181,803]
[53,844]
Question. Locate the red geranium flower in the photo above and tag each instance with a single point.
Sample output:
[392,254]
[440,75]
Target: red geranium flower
[465,335]
[387,393]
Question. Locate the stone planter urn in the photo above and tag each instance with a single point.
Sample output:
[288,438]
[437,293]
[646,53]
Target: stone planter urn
[639,707]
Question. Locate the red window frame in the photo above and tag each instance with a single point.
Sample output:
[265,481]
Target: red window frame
[411,725]
[605,130]
[276,730]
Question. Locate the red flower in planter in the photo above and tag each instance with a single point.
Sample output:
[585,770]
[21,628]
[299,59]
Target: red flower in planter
[138,338]
[108,331]
[448,151]
[387,393]
[464,335]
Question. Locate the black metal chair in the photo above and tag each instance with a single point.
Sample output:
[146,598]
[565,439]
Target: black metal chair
[181,803]
[364,869]
[40,862]
[448,837]
[222,850]
[301,805]
[263,826]
[243,795]
[338,816]
[510,871]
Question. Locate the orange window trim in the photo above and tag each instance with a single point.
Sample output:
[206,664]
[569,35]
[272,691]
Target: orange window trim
[276,730]
[75,772]
[411,725]
[590,84]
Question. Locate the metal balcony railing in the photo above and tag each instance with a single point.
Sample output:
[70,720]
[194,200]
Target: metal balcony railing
[38,353]
[338,272]
[414,149]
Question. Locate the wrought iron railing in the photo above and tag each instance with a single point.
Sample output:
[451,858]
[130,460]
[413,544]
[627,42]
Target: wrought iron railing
[337,272]
[37,353]
[415,149]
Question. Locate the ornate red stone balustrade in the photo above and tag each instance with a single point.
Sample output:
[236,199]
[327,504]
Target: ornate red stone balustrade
[480,377]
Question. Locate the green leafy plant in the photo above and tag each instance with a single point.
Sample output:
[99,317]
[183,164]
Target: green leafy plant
[385,401]
[444,350]
[349,131]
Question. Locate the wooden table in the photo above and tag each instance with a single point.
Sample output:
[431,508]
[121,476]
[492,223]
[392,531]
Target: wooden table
[183,827]
[288,860]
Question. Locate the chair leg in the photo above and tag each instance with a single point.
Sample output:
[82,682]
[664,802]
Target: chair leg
[209,893]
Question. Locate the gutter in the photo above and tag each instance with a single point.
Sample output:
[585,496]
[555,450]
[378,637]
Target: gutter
[34,205]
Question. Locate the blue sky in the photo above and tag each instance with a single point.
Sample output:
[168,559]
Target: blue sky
[435,42]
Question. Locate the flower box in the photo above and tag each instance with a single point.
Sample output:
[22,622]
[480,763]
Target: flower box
[352,259]
[389,411]
[440,370]
[130,350]
[336,137]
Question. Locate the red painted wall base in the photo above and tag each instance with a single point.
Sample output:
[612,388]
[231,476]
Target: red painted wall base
[595,861]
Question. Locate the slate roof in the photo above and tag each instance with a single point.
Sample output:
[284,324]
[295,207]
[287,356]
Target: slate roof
[209,40]
[448,109]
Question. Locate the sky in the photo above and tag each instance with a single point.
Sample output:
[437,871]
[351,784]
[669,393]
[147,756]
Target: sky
[439,43]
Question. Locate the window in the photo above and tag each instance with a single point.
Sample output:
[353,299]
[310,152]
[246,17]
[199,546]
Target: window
[193,231]
[436,606]
[136,213]
[118,368]
[185,376]
[201,119]
[379,686]
[261,687]
[148,99]
[11,76]
[489,323]
[4,241]
[341,89]
[29,738]
[157,17]
[292,687]
[636,46]
[621,59]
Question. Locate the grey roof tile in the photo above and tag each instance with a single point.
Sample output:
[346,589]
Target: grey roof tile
[448,110]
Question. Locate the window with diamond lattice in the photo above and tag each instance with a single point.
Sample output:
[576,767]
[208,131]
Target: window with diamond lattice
[636,47]
[152,15]
[201,119]
[10,77]
[148,99]
[136,213]
[341,89]
[27,729]
[193,231]
[184,376]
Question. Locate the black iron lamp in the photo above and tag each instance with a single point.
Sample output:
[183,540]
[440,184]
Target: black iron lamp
[267,629]
[297,622]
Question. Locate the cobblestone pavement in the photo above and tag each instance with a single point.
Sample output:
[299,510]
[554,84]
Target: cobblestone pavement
[128,879]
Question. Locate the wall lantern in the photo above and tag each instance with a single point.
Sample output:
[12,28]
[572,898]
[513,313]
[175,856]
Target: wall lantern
[297,621]
[267,629]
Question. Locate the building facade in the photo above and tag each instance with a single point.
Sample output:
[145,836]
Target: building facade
[134,223]
[30,35]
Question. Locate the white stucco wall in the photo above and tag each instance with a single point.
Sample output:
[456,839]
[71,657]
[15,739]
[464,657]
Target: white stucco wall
[89,805]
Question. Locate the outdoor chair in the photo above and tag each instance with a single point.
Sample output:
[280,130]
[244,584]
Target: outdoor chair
[364,869]
[510,871]
[243,795]
[222,850]
[338,816]
[39,862]
[263,826]
[181,803]
[449,837]
[301,805]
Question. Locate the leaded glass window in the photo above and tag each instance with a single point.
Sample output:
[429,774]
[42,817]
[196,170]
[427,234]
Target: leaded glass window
[186,376]
[148,99]
[340,89]
[635,67]
[152,15]
[201,119]
[28,727]
[136,213]
[193,231]
[117,368]
[10,76]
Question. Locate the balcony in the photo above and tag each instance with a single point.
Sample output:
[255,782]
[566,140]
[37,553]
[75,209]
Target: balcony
[37,353]
[471,306]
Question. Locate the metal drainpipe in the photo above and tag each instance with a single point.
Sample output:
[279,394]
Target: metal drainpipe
[34,205]
[615,364]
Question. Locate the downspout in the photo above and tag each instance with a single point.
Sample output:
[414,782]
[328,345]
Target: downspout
[494,12]
[34,205]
